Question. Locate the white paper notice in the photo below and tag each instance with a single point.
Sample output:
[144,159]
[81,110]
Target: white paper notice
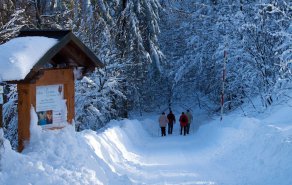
[49,105]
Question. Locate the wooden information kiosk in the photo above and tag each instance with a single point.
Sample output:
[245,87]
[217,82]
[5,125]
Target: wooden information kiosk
[49,86]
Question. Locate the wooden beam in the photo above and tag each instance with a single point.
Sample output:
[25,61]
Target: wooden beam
[24,103]
[1,104]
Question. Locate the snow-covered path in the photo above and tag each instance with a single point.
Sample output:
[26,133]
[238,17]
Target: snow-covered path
[237,151]
[173,159]
[167,160]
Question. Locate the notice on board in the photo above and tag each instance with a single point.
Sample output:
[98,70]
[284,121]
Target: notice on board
[50,107]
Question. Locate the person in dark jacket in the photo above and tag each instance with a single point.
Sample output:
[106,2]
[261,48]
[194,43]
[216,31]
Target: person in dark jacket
[171,121]
[183,119]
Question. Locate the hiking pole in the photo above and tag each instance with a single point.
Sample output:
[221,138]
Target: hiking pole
[223,84]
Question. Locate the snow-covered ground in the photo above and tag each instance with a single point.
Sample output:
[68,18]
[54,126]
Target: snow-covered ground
[237,151]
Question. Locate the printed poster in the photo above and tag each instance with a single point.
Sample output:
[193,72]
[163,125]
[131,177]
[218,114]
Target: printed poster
[50,105]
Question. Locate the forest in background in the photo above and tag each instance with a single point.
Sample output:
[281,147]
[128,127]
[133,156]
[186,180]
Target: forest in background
[158,52]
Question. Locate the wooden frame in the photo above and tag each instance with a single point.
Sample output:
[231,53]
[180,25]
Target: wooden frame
[27,98]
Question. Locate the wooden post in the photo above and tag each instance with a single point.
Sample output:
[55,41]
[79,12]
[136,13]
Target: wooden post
[24,105]
[1,105]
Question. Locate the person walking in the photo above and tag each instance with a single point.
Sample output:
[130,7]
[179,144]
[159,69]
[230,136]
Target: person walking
[190,118]
[171,121]
[162,123]
[183,119]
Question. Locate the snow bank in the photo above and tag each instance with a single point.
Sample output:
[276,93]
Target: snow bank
[20,54]
[247,151]
[58,157]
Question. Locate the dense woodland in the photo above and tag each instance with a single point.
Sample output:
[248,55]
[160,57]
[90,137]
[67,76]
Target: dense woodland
[158,52]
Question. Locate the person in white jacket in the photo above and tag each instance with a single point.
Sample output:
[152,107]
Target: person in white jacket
[162,123]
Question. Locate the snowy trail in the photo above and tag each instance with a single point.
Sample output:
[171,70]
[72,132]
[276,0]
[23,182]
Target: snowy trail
[166,163]
[218,153]
[173,159]
[237,151]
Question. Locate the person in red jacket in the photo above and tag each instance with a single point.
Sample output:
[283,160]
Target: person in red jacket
[183,119]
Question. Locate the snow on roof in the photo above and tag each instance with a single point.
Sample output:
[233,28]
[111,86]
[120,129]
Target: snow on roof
[19,55]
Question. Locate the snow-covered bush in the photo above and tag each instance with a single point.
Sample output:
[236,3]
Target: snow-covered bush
[98,99]
[10,115]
